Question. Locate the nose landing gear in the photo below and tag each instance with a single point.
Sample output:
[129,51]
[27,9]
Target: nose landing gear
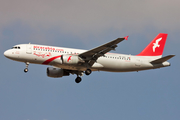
[26,69]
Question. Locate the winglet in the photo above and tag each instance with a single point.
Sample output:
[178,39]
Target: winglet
[126,38]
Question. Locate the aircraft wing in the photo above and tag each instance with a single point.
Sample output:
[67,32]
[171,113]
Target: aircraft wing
[92,55]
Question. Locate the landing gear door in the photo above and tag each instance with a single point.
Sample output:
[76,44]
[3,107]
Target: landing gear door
[29,49]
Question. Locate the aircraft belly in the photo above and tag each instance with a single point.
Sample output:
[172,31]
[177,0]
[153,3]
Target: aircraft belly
[116,65]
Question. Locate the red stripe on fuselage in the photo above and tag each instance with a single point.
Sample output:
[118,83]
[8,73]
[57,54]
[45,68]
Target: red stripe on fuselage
[50,60]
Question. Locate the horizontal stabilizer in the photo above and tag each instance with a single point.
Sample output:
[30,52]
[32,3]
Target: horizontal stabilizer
[161,60]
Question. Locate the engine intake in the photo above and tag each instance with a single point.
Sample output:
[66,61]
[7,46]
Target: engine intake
[56,72]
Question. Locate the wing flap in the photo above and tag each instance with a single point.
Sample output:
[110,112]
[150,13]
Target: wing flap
[161,60]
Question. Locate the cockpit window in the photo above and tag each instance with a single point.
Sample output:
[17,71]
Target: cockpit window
[16,47]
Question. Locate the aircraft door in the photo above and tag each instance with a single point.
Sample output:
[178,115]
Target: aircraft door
[138,63]
[29,49]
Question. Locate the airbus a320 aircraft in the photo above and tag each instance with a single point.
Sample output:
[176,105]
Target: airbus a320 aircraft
[66,61]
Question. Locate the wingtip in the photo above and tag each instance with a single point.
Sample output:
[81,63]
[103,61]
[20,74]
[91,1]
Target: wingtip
[126,38]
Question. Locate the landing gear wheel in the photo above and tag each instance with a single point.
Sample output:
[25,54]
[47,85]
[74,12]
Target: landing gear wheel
[78,80]
[88,72]
[25,70]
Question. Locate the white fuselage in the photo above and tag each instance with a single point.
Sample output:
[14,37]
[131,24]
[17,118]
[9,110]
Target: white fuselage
[50,55]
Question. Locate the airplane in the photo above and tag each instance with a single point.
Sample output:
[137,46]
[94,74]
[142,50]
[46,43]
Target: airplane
[66,61]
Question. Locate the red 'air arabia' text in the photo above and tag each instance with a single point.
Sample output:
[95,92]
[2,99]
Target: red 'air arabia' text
[47,48]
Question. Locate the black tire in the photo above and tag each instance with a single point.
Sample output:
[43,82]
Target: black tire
[78,80]
[88,72]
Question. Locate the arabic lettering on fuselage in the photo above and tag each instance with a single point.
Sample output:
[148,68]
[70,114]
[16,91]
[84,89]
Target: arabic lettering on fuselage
[43,55]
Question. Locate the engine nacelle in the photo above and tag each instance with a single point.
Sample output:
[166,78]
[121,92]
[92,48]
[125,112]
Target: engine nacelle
[71,59]
[56,72]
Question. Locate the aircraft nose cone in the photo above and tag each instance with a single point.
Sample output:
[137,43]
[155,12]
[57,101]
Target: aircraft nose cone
[6,53]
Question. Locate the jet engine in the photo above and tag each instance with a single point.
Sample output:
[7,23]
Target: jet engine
[56,72]
[71,59]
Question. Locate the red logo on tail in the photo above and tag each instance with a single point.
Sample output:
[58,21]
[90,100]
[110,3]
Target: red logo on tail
[156,46]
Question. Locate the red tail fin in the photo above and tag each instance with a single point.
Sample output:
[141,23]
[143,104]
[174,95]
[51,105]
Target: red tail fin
[156,47]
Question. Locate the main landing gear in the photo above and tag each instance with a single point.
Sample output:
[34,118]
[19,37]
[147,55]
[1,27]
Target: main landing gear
[26,69]
[79,79]
[88,72]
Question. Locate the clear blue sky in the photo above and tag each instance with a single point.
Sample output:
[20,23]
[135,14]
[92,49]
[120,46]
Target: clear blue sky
[145,95]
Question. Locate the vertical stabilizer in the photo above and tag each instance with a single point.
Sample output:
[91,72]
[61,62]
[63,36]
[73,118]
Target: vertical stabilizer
[156,47]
